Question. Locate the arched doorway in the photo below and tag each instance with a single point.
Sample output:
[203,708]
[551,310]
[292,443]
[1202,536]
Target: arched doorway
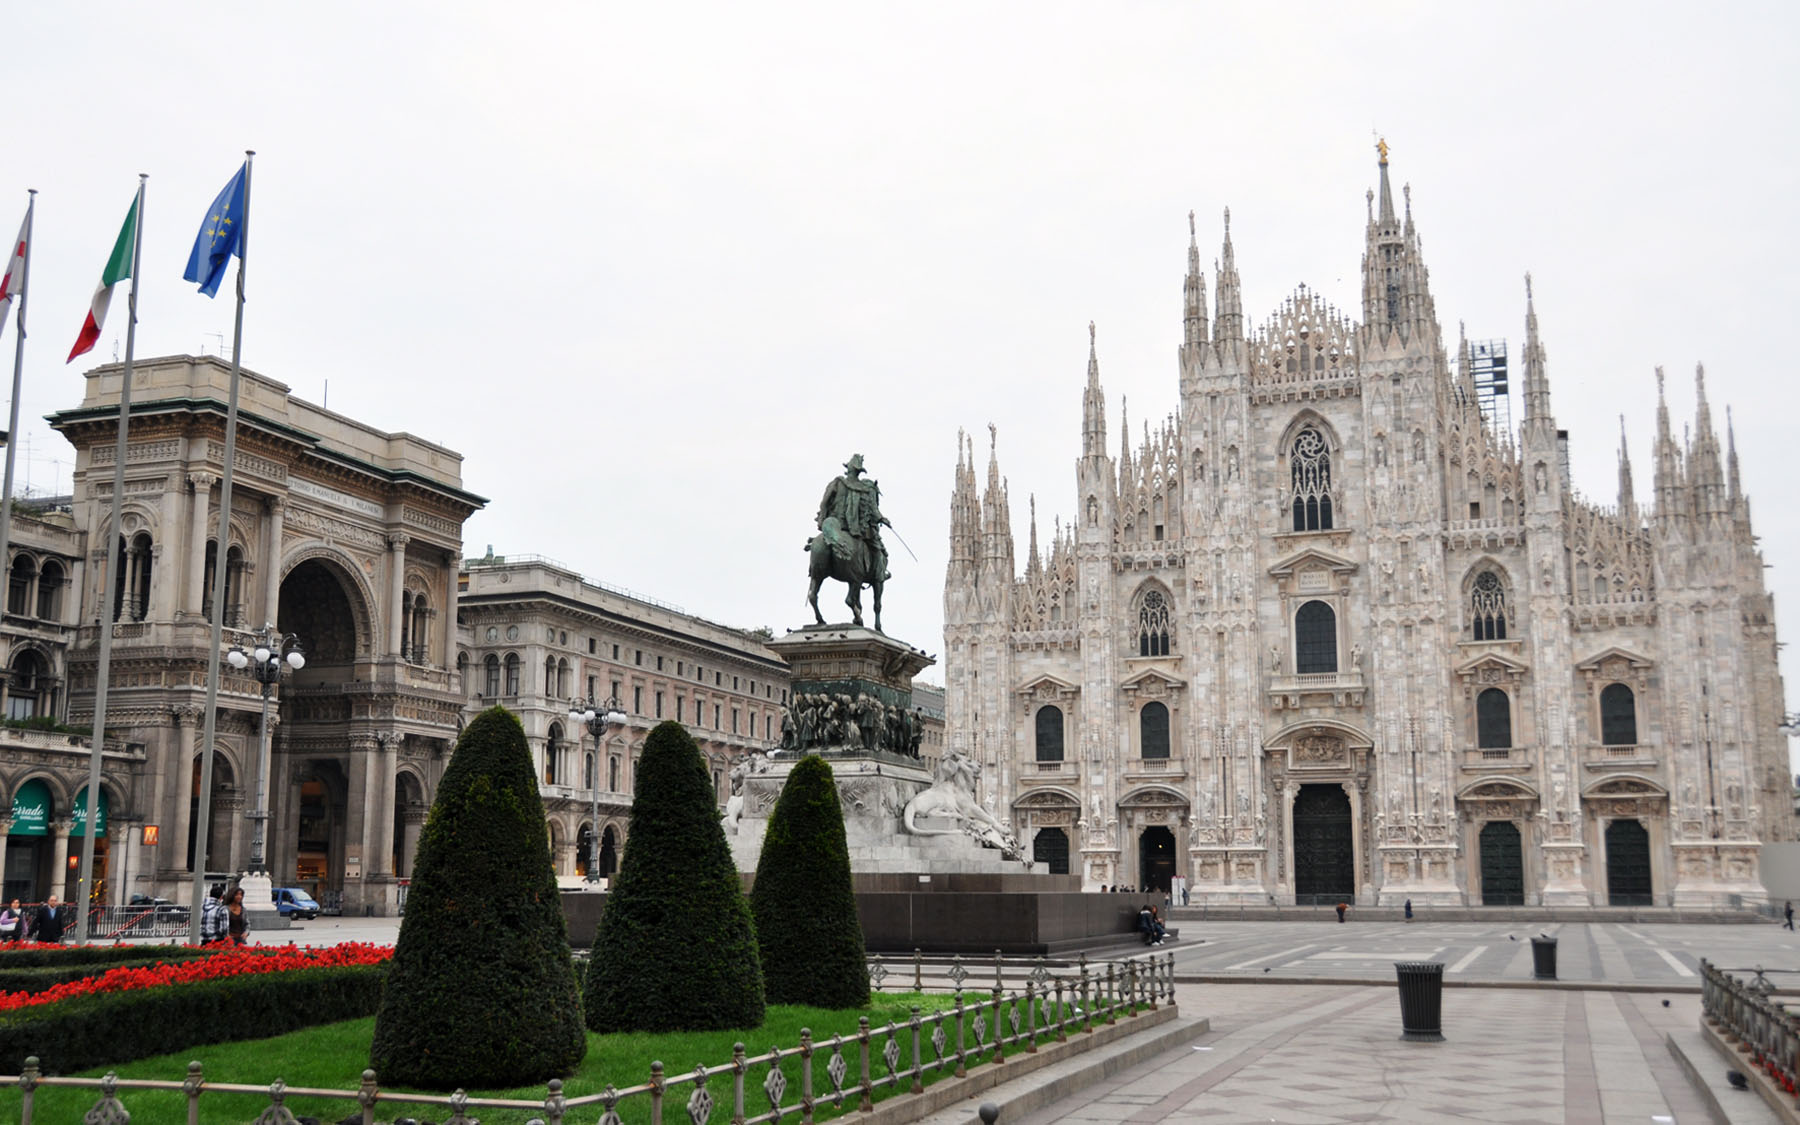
[1324,850]
[1156,859]
[1050,847]
[1502,864]
[1628,864]
[221,823]
[409,805]
[584,849]
[609,853]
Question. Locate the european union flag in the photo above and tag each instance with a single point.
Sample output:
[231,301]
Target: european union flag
[221,236]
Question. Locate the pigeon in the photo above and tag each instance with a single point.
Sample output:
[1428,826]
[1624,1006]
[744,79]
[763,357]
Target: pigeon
[1737,1080]
[1509,937]
[1265,968]
[1665,1003]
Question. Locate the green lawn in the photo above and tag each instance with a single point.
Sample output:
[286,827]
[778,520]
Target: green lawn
[334,1056]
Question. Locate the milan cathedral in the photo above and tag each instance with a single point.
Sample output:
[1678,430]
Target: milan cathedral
[1328,633]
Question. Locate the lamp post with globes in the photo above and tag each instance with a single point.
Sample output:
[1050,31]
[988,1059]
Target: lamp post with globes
[272,653]
[596,717]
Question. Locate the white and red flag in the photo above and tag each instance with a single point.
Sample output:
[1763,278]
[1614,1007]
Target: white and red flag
[12,279]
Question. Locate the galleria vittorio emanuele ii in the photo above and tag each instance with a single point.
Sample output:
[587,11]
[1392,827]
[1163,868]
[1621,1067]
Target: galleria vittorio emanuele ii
[1334,630]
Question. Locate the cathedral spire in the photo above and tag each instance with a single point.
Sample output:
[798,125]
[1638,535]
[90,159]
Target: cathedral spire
[1705,473]
[1627,498]
[1093,405]
[1193,294]
[1537,382]
[1668,483]
[1387,191]
[1396,294]
[1229,320]
[996,516]
[1125,473]
[1733,486]
[1031,557]
[965,520]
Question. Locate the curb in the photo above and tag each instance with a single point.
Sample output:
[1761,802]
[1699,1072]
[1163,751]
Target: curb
[1685,1045]
[1497,982]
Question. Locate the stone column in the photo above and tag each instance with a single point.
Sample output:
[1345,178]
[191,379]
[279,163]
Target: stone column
[396,586]
[381,836]
[453,560]
[412,822]
[1358,856]
[284,860]
[165,587]
[197,531]
[59,858]
[272,560]
[5,829]
[1288,793]
[360,812]
[187,719]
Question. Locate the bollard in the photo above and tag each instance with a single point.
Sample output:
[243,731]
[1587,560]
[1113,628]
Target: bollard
[1543,958]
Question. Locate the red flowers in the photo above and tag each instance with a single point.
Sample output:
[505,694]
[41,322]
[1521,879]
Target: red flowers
[227,962]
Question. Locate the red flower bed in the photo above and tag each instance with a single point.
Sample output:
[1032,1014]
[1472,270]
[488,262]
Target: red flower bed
[228,962]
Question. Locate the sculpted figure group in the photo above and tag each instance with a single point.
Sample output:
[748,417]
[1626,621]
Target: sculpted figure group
[838,720]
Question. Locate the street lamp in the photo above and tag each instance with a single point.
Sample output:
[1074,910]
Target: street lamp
[597,717]
[273,651]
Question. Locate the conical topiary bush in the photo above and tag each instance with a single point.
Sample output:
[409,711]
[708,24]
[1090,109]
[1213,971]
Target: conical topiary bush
[676,950]
[482,989]
[803,900]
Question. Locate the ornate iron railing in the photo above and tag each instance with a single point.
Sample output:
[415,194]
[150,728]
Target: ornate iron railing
[1746,1015]
[900,1056]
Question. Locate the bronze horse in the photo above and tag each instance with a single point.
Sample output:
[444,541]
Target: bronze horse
[863,567]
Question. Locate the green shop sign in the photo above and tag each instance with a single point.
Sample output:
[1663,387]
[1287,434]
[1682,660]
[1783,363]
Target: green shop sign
[81,817]
[31,810]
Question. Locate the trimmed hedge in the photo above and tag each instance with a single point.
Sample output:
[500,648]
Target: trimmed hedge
[481,994]
[805,905]
[117,1027]
[676,949]
[96,955]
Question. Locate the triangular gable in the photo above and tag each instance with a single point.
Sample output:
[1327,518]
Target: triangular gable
[1047,685]
[1313,556]
[1594,662]
[1151,678]
[1495,659]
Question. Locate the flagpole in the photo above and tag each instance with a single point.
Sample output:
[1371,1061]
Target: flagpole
[12,433]
[220,572]
[104,674]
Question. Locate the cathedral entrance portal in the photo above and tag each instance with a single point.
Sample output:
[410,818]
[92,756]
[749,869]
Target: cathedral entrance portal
[1050,847]
[1502,865]
[1627,864]
[1324,853]
[1156,859]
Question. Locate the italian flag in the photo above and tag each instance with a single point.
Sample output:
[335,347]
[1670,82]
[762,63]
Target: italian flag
[12,274]
[118,268]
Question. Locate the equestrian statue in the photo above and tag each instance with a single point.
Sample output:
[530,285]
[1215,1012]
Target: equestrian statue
[848,546]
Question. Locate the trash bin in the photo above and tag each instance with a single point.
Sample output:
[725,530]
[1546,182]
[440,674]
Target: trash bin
[1421,1000]
[1543,958]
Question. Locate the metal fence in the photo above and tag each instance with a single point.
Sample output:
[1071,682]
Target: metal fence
[1747,1016]
[792,1081]
[160,920]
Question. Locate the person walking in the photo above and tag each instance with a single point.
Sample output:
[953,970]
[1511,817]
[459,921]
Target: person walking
[1409,910]
[12,922]
[52,918]
[235,921]
[1787,912]
[1341,907]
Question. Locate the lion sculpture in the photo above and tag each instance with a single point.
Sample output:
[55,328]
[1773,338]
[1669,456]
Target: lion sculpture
[952,795]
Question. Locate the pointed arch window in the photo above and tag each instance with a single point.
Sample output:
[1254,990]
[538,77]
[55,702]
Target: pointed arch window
[1309,463]
[1153,624]
[1493,720]
[491,684]
[1487,607]
[1315,639]
[1618,716]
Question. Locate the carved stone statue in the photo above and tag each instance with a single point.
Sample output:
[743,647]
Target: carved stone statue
[952,795]
[754,762]
[848,546]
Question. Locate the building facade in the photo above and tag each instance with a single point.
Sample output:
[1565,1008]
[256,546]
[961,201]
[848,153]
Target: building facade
[1327,635]
[537,638]
[344,535]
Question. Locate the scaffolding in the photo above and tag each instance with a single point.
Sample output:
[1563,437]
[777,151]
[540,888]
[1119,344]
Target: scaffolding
[1487,366]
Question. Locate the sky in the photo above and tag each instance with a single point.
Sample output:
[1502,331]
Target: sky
[657,270]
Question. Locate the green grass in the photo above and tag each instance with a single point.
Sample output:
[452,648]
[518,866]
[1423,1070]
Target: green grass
[333,1057]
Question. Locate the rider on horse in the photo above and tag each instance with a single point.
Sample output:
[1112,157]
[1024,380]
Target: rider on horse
[850,519]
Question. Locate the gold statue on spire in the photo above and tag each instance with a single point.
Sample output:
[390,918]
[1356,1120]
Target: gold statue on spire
[1381,146]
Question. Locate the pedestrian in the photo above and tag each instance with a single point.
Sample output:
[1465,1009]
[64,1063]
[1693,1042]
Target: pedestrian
[1787,912]
[12,922]
[1409,910]
[215,920]
[1341,907]
[235,922]
[52,918]
[1162,929]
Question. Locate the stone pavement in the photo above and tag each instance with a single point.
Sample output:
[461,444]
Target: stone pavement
[1318,1054]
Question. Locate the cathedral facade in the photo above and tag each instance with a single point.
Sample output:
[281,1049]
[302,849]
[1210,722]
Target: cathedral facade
[1328,634]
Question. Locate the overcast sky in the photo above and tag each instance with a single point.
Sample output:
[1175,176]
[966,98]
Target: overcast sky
[657,270]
